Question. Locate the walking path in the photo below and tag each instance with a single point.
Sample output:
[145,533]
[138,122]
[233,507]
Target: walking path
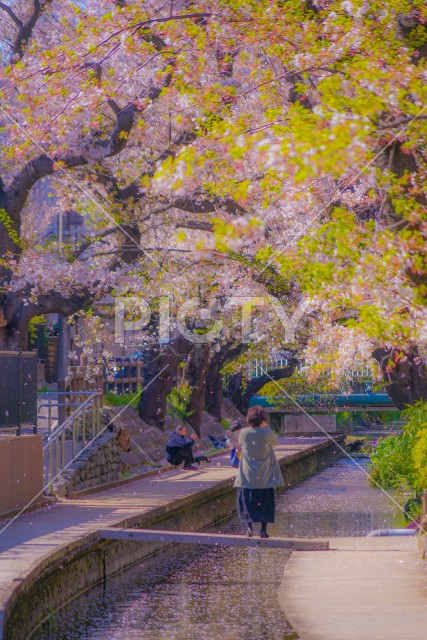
[33,538]
[362,589]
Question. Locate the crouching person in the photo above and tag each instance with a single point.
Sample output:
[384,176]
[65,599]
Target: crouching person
[179,449]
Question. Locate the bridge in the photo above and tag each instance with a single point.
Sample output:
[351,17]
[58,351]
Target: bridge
[326,402]
[212,539]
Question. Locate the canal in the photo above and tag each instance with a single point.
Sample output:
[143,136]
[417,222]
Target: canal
[225,593]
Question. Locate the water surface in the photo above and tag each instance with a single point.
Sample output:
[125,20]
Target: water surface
[225,593]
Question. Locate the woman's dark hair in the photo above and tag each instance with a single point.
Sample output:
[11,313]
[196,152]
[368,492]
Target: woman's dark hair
[235,425]
[256,416]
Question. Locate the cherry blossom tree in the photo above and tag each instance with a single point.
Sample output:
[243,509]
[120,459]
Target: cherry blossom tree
[277,146]
[349,158]
[63,115]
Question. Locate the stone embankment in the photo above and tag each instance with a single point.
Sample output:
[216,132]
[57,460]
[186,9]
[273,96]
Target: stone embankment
[99,465]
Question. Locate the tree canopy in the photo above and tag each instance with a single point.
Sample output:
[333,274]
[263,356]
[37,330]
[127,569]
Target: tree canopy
[270,147]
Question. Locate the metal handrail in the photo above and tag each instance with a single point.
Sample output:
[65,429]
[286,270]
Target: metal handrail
[65,393]
[78,411]
[50,395]
[49,416]
[76,422]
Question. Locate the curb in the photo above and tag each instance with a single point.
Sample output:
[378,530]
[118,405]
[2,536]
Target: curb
[40,504]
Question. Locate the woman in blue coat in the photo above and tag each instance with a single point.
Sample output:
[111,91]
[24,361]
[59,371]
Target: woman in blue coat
[258,474]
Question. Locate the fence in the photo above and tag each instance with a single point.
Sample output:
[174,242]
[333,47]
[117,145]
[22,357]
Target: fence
[75,386]
[124,376]
[79,400]
[259,366]
[77,405]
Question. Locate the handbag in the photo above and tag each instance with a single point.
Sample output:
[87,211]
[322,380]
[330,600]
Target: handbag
[234,458]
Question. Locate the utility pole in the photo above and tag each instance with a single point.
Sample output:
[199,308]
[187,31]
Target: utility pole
[64,327]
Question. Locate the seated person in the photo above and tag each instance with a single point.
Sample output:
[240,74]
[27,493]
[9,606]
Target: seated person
[179,448]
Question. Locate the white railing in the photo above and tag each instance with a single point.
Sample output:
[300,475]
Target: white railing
[259,366]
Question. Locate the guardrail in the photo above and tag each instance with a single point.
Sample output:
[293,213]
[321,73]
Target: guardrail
[258,366]
[63,403]
[124,376]
[72,435]
[364,401]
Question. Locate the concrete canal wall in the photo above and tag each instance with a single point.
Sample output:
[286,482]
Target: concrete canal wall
[74,568]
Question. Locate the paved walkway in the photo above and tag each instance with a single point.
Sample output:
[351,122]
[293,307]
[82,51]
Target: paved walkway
[35,536]
[363,589]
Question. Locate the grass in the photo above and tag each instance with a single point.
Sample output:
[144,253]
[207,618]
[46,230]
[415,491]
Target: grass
[115,400]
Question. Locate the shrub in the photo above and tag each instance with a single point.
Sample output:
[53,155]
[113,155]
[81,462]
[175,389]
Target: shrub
[391,464]
[179,399]
[400,460]
[419,458]
[225,422]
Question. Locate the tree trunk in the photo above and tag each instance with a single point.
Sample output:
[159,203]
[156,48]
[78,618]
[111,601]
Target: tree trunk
[14,327]
[243,394]
[405,379]
[195,374]
[214,391]
[214,382]
[153,400]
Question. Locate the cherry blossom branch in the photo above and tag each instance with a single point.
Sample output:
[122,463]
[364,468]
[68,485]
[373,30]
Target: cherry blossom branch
[271,80]
[157,41]
[64,108]
[144,249]
[133,191]
[145,23]
[9,44]
[193,204]
[262,127]
[33,171]
[18,311]
[395,123]
[45,165]
[25,30]
[93,239]
[11,14]
[196,224]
